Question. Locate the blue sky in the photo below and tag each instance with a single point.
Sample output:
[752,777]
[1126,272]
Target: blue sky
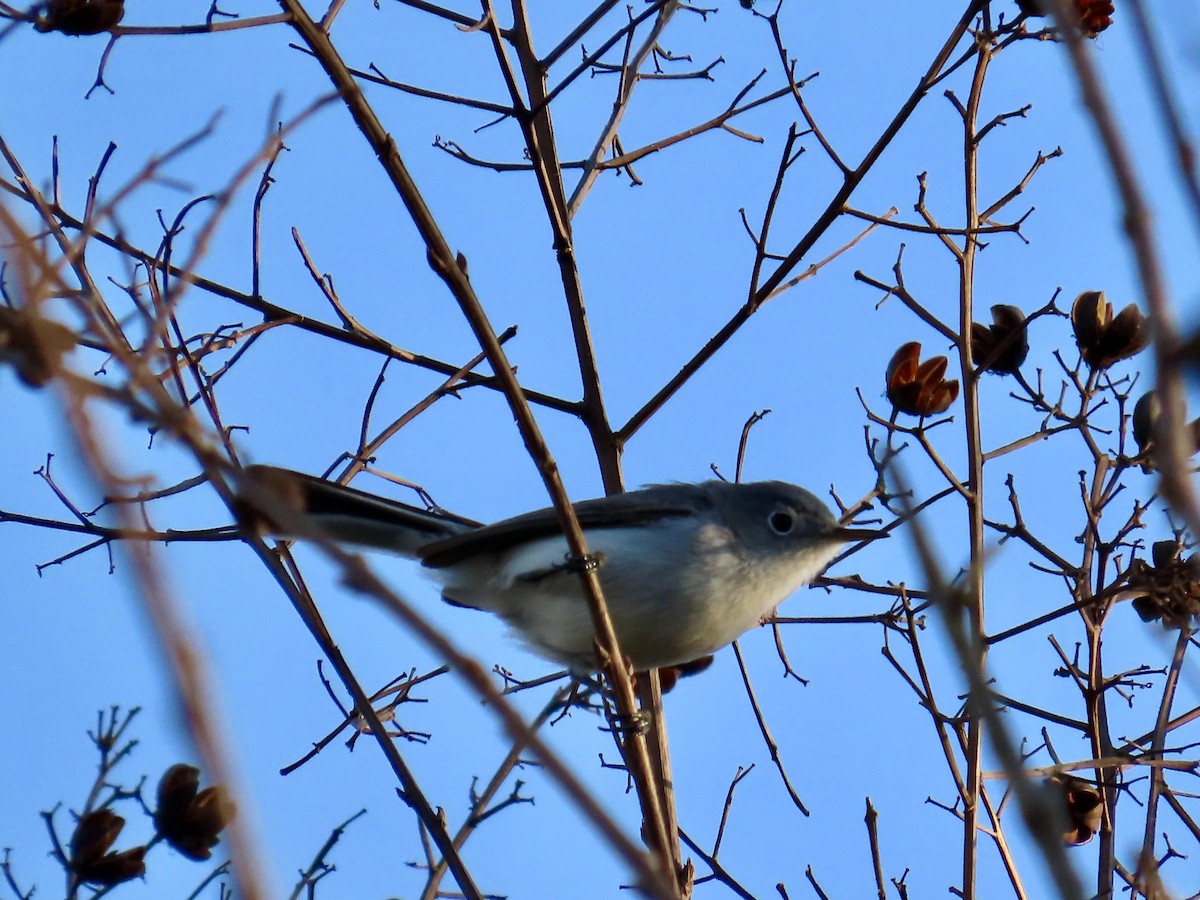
[664,265]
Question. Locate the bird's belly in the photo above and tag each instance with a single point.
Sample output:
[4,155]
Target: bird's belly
[668,604]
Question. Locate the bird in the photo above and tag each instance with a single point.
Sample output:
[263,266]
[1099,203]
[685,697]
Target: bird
[685,568]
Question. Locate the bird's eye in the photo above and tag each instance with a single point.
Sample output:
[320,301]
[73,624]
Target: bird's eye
[781,522]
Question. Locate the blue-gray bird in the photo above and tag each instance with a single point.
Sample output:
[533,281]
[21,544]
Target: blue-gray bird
[686,569]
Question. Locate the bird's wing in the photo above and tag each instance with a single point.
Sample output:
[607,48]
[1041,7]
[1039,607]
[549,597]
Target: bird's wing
[620,510]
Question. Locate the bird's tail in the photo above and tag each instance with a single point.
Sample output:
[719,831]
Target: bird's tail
[322,509]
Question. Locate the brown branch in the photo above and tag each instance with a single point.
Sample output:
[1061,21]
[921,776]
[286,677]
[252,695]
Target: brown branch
[1157,776]
[585,25]
[118,533]
[318,868]
[789,67]
[926,229]
[200,28]
[1041,160]
[376,76]
[900,291]
[719,872]
[814,268]
[872,820]
[772,746]
[441,12]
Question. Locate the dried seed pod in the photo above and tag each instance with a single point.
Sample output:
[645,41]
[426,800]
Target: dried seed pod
[1094,15]
[1004,344]
[191,822]
[1168,588]
[114,868]
[1103,339]
[1145,420]
[79,17]
[1083,808]
[1146,415]
[919,388]
[34,344]
[94,834]
[91,862]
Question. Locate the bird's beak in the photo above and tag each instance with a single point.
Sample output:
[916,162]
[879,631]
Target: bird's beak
[854,535]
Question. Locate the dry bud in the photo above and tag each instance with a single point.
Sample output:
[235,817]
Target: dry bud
[91,862]
[1002,345]
[80,17]
[1083,807]
[1103,339]
[191,822]
[919,388]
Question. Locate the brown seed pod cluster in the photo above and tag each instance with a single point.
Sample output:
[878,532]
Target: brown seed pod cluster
[1002,346]
[919,388]
[1168,588]
[1102,338]
[191,821]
